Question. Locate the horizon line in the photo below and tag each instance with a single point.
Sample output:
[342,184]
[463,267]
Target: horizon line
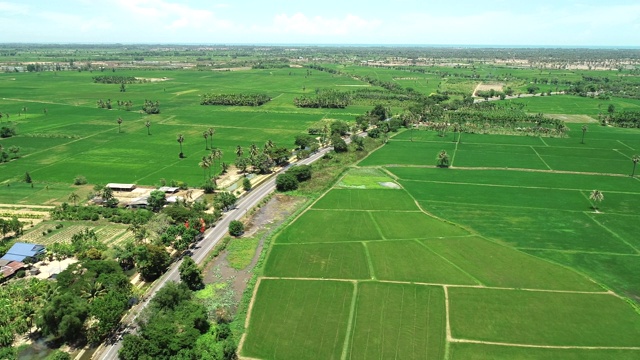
[469,46]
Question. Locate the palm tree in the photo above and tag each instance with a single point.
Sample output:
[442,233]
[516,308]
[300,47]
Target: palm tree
[253,151]
[635,159]
[94,291]
[216,154]
[206,136]
[443,159]
[74,197]
[205,164]
[584,130]
[148,125]
[268,145]
[180,140]
[325,134]
[119,123]
[211,131]
[596,196]
[456,130]
[239,151]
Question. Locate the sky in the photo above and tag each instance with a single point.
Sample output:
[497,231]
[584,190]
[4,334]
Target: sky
[420,22]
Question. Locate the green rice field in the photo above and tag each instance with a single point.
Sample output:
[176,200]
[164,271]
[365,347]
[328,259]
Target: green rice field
[503,250]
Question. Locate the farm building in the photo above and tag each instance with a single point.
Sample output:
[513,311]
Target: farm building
[121,187]
[8,268]
[139,203]
[23,252]
[168,189]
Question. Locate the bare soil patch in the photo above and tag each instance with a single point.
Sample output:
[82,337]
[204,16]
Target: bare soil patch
[572,118]
[268,218]
[488,87]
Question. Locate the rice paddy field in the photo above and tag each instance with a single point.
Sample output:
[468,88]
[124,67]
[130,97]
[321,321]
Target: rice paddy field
[74,137]
[500,256]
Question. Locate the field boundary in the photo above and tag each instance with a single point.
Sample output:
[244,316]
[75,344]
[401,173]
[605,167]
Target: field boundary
[352,315]
[455,340]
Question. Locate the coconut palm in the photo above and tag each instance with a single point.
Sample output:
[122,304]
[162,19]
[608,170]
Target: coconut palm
[180,140]
[268,145]
[596,196]
[584,130]
[443,159]
[253,151]
[239,151]
[457,129]
[74,197]
[216,154]
[211,131]
[148,125]
[635,159]
[205,164]
[205,134]
[119,123]
[94,291]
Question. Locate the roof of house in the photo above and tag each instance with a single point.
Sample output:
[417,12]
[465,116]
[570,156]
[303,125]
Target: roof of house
[8,267]
[168,189]
[121,186]
[19,251]
[139,201]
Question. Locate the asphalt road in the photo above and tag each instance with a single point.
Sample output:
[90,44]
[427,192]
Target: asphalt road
[203,248]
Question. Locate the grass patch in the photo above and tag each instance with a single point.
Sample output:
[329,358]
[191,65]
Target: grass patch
[292,319]
[241,251]
[542,318]
[364,178]
[395,321]
[337,261]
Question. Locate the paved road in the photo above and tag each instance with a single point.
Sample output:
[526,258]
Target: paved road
[204,247]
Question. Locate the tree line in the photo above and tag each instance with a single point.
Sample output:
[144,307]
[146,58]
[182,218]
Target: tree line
[235,99]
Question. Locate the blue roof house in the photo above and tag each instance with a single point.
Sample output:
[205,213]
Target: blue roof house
[23,252]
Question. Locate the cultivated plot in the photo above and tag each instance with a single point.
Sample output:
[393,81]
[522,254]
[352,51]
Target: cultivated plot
[543,318]
[466,351]
[407,153]
[502,266]
[534,228]
[316,226]
[349,199]
[398,321]
[298,319]
[412,261]
[414,225]
[337,261]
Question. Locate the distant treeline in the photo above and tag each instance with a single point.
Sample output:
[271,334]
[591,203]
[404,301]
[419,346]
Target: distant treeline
[324,98]
[113,79]
[627,119]
[235,99]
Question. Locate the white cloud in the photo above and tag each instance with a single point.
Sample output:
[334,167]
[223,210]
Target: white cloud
[300,24]
[8,8]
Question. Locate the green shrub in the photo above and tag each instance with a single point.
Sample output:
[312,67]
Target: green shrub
[236,228]
[79,180]
[286,182]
